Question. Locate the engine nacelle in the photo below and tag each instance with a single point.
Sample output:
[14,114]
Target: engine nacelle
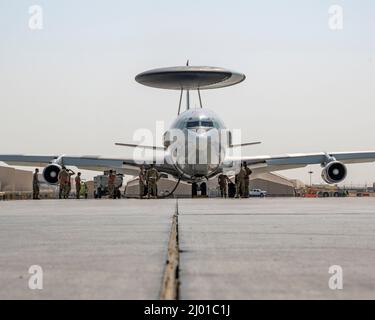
[51,173]
[334,172]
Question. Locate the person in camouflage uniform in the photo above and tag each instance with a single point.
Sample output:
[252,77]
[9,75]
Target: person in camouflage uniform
[248,172]
[142,182]
[240,185]
[111,184]
[68,186]
[78,185]
[152,178]
[36,185]
[223,181]
[63,180]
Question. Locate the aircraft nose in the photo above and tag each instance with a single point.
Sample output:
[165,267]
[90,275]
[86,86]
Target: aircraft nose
[201,154]
[204,147]
[202,141]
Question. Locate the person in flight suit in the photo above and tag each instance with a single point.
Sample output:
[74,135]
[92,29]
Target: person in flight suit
[36,185]
[248,172]
[152,178]
[223,181]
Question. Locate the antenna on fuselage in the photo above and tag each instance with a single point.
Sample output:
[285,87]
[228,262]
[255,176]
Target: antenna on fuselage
[187,93]
[200,99]
[187,100]
[179,105]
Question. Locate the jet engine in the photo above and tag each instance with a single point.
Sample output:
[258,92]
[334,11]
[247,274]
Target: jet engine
[51,173]
[334,172]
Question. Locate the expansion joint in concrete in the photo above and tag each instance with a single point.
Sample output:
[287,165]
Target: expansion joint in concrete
[171,282]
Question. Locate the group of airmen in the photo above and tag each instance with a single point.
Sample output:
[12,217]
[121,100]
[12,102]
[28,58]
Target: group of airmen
[242,182]
[148,179]
[148,182]
[64,181]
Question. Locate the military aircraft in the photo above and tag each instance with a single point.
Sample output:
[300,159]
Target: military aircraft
[181,154]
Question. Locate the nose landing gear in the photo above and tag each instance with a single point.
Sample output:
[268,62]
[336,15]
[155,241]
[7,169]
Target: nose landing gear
[199,189]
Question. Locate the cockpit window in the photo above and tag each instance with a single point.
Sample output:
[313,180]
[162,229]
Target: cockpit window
[203,123]
[192,124]
[208,124]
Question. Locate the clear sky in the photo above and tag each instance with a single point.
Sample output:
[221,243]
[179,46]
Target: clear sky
[69,88]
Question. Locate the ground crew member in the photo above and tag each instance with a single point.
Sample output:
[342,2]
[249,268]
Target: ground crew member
[248,172]
[84,190]
[142,182]
[146,182]
[36,185]
[152,178]
[68,185]
[240,183]
[223,181]
[236,185]
[111,184]
[63,179]
[78,185]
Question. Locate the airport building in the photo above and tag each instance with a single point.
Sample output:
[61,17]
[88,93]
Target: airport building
[276,185]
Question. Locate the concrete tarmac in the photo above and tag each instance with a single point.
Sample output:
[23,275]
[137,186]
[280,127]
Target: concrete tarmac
[88,249]
[230,249]
[276,248]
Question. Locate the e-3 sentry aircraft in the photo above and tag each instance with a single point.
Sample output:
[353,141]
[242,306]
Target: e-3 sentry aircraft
[198,125]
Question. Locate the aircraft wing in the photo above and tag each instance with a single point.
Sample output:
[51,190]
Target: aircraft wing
[96,163]
[27,160]
[292,161]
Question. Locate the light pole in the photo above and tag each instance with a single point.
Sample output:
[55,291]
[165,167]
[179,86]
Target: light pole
[311,173]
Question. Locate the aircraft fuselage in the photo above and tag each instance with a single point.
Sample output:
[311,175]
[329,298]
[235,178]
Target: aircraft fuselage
[197,142]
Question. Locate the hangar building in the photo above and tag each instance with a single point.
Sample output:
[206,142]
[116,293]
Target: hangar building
[15,180]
